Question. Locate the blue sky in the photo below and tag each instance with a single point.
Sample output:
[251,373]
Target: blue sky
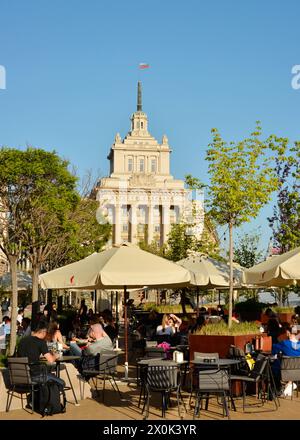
[72,69]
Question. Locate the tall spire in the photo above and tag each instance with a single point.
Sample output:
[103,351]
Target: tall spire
[139,97]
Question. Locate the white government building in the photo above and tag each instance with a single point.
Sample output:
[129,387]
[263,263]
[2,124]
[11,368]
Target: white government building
[140,197]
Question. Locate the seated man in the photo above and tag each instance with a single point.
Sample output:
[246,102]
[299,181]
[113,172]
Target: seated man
[97,341]
[35,346]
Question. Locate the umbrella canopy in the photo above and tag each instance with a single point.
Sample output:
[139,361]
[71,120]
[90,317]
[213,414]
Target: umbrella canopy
[280,270]
[126,265]
[208,272]
[24,281]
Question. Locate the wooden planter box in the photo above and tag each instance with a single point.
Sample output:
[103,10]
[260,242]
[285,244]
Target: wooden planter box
[217,343]
[282,316]
[285,317]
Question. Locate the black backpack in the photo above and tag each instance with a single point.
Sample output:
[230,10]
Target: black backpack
[50,399]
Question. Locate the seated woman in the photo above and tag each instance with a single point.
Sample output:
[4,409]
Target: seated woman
[169,326]
[54,334]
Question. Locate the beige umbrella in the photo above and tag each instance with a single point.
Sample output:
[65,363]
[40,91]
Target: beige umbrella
[120,267]
[208,272]
[280,270]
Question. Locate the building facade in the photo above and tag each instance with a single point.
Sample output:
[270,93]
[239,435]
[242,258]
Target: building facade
[140,197]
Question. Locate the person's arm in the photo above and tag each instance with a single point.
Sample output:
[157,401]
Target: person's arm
[50,357]
[58,338]
[178,320]
[47,355]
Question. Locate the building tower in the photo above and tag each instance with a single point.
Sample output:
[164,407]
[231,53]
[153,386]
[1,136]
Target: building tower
[140,196]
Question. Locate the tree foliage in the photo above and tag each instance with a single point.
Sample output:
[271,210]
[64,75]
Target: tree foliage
[285,222]
[246,250]
[242,180]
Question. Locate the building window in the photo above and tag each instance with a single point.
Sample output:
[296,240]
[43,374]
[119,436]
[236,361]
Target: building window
[153,165]
[142,124]
[124,228]
[141,228]
[130,164]
[142,165]
[157,228]
[124,211]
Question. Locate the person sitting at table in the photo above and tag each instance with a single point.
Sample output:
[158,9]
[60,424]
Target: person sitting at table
[54,334]
[287,347]
[34,347]
[97,341]
[169,326]
[200,322]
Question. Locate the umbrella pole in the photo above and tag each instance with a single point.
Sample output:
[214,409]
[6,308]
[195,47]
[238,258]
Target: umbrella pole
[117,319]
[126,333]
[95,301]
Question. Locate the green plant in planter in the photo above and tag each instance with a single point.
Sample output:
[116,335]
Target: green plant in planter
[286,309]
[221,328]
[147,307]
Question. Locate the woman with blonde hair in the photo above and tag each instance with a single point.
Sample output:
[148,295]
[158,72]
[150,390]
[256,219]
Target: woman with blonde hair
[169,326]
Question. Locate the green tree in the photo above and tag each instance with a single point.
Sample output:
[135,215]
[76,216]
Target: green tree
[242,180]
[246,250]
[285,222]
[86,236]
[46,222]
[25,183]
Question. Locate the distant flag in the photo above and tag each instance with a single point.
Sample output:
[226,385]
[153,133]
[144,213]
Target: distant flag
[144,66]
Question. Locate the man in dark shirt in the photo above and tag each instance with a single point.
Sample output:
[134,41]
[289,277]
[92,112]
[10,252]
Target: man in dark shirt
[33,347]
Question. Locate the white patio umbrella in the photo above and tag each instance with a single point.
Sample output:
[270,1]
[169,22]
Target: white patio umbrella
[120,267]
[209,273]
[278,271]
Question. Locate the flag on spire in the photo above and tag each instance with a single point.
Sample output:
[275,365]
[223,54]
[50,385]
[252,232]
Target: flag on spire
[144,66]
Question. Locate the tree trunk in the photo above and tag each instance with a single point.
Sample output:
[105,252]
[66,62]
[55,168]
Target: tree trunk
[183,301]
[230,274]
[35,282]
[14,304]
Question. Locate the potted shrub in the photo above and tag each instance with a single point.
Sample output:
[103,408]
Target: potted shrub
[218,337]
[250,310]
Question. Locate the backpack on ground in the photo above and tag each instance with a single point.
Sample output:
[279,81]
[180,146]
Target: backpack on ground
[50,399]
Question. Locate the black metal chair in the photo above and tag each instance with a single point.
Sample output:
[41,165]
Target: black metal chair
[105,370]
[211,363]
[260,377]
[141,370]
[242,368]
[163,377]
[25,378]
[215,382]
[290,370]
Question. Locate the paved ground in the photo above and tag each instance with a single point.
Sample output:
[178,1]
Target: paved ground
[127,409]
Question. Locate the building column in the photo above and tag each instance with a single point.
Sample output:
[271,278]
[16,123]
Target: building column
[165,222]
[117,219]
[150,219]
[133,223]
